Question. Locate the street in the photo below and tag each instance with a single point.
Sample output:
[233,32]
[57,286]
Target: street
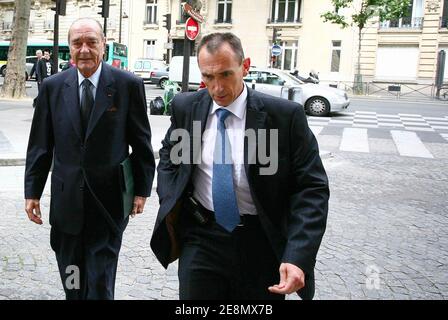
[386,238]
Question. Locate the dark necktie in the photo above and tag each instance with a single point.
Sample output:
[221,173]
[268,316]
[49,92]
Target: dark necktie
[86,103]
[223,191]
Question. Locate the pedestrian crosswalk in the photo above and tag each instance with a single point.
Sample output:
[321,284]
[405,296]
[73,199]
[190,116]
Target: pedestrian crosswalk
[399,142]
[366,119]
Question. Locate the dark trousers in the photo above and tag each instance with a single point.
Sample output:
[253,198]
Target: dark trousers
[215,264]
[88,262]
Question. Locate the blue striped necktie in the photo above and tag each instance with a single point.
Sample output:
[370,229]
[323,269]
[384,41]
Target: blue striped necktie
[223,191]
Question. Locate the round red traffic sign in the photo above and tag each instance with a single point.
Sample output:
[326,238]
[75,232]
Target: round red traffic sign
[192,29]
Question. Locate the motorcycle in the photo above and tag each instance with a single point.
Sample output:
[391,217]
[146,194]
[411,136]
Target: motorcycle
[312,78]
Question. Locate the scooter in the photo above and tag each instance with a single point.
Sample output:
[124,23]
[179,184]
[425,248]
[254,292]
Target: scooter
[312,78]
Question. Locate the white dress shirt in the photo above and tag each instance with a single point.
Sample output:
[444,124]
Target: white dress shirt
[94,79]
[203,175]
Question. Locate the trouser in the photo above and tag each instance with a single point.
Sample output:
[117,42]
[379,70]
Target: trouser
[88,261]
[215,264]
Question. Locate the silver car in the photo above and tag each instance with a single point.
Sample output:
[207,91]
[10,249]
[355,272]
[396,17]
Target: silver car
[318,100]
[154,71]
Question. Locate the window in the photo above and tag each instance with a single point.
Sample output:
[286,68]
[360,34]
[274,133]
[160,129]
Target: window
[396,63]
[286,11]
[150,48]
[49,20]
[151,12]
[289,57]
[8,17]
[336,56]
[444,20]
[413,18]
[182,16]
[224,11]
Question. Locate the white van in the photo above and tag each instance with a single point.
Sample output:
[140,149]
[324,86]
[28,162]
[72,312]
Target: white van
[176,70]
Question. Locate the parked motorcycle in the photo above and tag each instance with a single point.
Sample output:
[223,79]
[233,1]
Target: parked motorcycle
[312,78]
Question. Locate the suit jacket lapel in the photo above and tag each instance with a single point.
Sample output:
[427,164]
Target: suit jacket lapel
[71,99]
[201,110]
[103,99]
[255,120]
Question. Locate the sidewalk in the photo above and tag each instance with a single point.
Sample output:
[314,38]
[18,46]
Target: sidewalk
[15,125]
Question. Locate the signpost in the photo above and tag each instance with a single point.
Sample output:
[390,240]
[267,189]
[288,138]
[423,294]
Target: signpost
[192,30]
[276,50]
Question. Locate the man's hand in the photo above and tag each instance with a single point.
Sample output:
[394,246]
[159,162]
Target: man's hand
[139,205]
[32,208]
[292,279]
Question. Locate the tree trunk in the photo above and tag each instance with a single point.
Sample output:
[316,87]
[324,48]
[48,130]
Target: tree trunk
[14,84]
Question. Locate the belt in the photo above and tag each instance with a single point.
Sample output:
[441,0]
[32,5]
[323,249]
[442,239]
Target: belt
[203,216]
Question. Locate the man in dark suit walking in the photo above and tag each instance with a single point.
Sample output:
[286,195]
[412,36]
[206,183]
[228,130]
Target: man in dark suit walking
[242,227]
[85,120]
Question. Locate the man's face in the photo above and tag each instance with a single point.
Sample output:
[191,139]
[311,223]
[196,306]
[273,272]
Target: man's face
[86,46]
[223,74]
[47,55]
[39,54]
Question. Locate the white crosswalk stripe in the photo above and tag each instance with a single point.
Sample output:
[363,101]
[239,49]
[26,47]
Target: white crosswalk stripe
[355,140]
[316,130]
[409,144]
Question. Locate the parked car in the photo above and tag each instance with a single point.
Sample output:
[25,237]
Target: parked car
[318,100]
[159,77]
[150,68]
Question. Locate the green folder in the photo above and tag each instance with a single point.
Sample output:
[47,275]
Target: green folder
[127,186]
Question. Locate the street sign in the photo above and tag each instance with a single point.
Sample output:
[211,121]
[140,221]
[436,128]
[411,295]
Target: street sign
[192,13]
[276,50]
[192,29]
[168,45]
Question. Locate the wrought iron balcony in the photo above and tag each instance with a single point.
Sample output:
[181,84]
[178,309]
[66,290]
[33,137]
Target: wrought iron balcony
[279,21]
[403,23]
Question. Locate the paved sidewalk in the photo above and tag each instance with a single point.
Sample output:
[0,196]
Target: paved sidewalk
[15,125]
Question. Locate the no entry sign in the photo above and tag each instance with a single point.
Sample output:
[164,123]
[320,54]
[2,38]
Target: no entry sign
[192,29]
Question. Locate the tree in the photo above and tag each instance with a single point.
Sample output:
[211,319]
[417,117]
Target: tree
[14,83]
[364,10]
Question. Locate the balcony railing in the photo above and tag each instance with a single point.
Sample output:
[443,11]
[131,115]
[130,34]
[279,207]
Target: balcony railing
[403,23]
[6,26]
[219,21]
[149,21]
[272,21]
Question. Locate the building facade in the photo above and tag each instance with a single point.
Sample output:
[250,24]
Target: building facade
[307,43]
[42,18]
[402,51]
[406,50]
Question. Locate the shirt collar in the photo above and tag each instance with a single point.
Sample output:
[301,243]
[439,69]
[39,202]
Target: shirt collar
[237,107]
[94,78]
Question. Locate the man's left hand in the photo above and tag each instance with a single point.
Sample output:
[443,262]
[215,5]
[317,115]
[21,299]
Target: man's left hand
[292,279]
[139,205]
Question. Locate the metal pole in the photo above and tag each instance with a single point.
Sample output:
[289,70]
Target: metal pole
[121,17]
[186,68]
[56,41]
[105,27]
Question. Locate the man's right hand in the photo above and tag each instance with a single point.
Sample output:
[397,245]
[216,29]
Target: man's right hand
[32,208]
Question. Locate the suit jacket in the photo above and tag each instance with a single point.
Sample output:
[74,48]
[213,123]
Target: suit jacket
[292,203]
[119,120]
[41,69]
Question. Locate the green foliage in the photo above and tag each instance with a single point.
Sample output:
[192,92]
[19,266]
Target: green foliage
[365,10]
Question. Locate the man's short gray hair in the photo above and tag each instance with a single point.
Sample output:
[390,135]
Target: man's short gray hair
[85,19]
[214,41]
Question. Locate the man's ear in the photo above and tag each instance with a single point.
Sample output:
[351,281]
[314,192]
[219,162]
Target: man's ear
[246,66]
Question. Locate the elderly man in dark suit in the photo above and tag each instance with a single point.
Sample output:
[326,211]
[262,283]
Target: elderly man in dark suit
[242,227]
[85,121]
